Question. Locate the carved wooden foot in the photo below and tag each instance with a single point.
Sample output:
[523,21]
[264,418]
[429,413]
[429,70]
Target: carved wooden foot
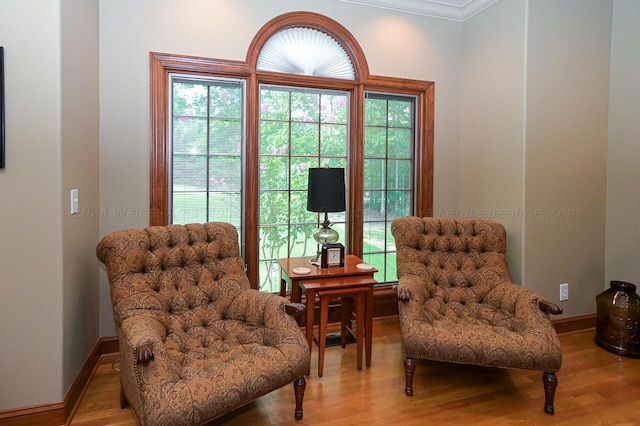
[299,385]
[409,369]
[123,399]
[550,383]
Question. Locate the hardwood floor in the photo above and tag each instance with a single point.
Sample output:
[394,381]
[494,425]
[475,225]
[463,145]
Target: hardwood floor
[595,387]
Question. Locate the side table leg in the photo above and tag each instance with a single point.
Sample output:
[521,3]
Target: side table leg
[345,314]
[369,325]
[322,332]
[311,306]
[360,326]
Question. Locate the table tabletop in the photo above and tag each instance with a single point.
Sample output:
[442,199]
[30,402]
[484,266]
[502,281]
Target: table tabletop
[349,269]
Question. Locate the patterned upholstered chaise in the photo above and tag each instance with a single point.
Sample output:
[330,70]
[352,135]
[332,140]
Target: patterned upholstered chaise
[195,340]
[457,302]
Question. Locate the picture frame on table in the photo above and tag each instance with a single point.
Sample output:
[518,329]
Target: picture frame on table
[332,255]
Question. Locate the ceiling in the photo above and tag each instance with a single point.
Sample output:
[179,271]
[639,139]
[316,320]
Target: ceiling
[456,10]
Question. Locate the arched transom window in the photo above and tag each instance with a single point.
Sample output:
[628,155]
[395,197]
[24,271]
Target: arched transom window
[305,51]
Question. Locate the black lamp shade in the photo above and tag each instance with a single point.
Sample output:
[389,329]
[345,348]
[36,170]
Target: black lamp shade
[325,192]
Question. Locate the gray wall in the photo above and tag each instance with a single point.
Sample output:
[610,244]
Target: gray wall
[623,172]
[492,121]
[568,49]
[80,132]
[535,93]
[48,273]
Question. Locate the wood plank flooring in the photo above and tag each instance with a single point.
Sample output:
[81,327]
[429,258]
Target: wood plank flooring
[595,387]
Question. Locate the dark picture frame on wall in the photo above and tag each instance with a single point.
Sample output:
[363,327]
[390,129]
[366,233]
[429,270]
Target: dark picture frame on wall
[2,151]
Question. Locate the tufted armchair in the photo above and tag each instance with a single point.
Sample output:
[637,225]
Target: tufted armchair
[195,340]
[457,303]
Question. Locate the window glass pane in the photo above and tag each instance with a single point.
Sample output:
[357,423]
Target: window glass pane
[400,143]
[226,137]
[301,245]
[274,207]
[189,173]
[399,174]
[376,112]
[224,207]
[299,212]
[333,140]
[376,142]
[333,162]
[400,114]
[274,105]
[318,136]
[333,109]
[189,135]
[305,107]
[397,204]
[374,174]
[391,271]
[374,204]
[300,172]
[189,99]
[377,260]
[274,138]
[189,207]
[224,174]
[274,172]
[305,139]
[388,176]
[206,143]
[225,101]
[273,239]
[269,271]
[391,243]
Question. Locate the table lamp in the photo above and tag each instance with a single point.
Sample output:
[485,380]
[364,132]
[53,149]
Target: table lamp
[325,194]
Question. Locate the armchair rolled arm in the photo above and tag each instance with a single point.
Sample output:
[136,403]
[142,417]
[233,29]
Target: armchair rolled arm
[549,308]
[142,332]
[514,295]
[259,308]
[411,286]
[297,311]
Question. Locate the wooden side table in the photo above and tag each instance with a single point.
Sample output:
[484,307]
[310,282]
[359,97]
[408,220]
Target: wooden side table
[292,280]
[344,279]
[357,288]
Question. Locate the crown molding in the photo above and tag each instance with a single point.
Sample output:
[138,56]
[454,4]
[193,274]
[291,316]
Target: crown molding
[455,10]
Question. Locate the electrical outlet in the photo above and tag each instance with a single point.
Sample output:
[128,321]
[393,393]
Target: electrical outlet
[564,292]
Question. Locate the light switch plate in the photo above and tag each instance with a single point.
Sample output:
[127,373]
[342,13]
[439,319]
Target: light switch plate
[74,201]
[564,292]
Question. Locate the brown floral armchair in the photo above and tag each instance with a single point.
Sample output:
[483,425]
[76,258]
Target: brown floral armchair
[195,340]
[457,303]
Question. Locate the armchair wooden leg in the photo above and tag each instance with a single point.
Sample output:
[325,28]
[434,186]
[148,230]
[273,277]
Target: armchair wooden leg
[550,382]
[123,398]
[299,385]
[409,369]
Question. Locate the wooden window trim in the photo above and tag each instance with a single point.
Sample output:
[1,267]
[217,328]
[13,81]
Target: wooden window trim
[162,65]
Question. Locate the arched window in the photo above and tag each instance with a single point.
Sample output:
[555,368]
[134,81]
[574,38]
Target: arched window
[305,51]
[232,140]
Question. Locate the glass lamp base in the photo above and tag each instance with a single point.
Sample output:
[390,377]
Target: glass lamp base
[325,235]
